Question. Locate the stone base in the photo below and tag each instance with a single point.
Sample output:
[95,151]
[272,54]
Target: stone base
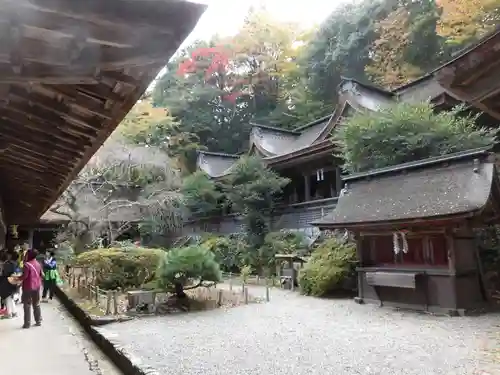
[359,300]
[435,310]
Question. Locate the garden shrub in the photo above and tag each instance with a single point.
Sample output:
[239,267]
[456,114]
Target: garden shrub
[228,251]
[281,242]
[121,268]
[187,268]
[330,265]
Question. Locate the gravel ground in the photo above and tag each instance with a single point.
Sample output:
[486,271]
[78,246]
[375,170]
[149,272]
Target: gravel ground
[300,335]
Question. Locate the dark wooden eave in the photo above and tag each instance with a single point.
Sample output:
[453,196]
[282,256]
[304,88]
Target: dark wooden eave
[69,73]
[474,76]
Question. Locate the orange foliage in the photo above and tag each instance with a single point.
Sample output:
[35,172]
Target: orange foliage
[465,19]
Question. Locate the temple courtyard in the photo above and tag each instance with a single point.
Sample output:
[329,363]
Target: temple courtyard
[304,335]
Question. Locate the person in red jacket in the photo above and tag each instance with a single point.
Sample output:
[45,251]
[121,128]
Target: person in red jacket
[31,280]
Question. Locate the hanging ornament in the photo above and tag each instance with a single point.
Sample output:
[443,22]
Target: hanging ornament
[400,242]
[405,242]
[395,242]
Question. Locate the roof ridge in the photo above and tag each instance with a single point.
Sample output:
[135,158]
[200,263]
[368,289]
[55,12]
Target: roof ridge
[370,86]
[218,154]
[420,163]
[293,132]
[301,128]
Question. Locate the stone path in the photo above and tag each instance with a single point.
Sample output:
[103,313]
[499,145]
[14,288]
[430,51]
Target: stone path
[300,335]
[58,347]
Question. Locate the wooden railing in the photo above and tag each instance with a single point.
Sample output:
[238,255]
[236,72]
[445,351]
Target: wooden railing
[82,281]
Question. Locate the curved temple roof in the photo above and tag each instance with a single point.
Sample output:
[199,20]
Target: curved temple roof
[271,142]
[216,164]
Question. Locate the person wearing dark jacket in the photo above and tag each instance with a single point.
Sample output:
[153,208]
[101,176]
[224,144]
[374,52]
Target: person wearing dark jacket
[7,289]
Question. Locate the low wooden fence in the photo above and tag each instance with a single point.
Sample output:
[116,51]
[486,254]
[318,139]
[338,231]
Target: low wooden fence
[82,281]
[238,279]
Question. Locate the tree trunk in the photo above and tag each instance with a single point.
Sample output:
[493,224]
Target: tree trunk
[179,290]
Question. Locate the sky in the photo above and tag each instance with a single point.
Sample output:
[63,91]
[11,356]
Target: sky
[224,17]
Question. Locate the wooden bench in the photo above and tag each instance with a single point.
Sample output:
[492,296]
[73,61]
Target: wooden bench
[392,279]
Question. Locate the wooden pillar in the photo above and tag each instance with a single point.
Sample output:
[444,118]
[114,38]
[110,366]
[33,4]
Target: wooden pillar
[452,266]
[30,238]
[361,262]
[338,181]
[307,188]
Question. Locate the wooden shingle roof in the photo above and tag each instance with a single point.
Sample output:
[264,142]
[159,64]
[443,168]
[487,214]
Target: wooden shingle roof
[447,186]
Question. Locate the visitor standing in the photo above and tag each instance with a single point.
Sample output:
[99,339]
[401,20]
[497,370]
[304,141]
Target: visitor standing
[51,275]
[31,283]
[7,289]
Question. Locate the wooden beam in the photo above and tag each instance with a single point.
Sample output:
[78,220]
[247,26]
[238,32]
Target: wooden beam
[24,162]
[169,16]
[120,77]
[40,119]
[44,53]
[60,110]
[47,80]
[480,71]
[101,91]
[72,95]
[136,56]
[482,88]
[102,34]
[29,128]
[24,148]
[83,101]
[36,136]
[39,185]
[37,73]
[37,157]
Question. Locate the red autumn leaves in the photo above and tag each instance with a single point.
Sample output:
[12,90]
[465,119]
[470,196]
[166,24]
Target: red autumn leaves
[216,66]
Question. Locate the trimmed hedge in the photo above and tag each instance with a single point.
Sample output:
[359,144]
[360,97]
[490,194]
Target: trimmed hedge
[121,268]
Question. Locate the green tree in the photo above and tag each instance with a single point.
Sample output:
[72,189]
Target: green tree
[202,196]
[342,48]
[146,124]
[267,53]
[407,45]
[253,191]
[187,268]
[407,132]
[282,242]
[228,250]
